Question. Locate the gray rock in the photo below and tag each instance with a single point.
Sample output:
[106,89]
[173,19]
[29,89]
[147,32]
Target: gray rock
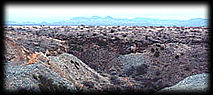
[194,83]
[33,77]
[130,60]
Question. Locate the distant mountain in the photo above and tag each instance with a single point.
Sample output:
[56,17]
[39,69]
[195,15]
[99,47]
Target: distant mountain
[108,17]
[110,21]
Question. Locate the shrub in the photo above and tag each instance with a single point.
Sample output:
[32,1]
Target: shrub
[76,48]
[157,54]
[162,48]
[124,35]
[177,56]
[112,31]
[116,38]
[130,39]
[146,37]
[100,43]
[152,50]
[187,68]
[158,45]
[94,34]
[104,34]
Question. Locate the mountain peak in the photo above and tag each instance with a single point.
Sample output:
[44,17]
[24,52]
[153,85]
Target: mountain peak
[109,17]
[95,17]
[198,19]
[108,20]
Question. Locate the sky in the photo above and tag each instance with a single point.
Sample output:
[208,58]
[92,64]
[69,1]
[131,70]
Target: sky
[26,12]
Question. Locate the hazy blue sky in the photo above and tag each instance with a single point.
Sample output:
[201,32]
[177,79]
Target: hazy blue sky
[57,12]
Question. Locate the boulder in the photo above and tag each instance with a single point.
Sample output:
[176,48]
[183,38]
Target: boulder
[194,83]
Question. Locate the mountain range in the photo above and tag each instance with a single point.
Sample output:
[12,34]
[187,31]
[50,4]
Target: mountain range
[110,21]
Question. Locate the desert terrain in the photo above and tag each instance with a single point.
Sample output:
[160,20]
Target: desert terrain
[102,58]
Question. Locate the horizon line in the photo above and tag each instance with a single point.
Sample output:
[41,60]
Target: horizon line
[110,17]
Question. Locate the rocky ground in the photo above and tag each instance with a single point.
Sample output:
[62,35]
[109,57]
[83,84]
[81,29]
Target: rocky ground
[102,59]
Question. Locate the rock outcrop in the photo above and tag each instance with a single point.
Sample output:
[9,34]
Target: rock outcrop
[30,71]
[196,83]
[37,72]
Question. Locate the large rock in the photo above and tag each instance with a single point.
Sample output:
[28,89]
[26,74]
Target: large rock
[130,62]
[64,72]
[194,83]
[36,76]
[70,66]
